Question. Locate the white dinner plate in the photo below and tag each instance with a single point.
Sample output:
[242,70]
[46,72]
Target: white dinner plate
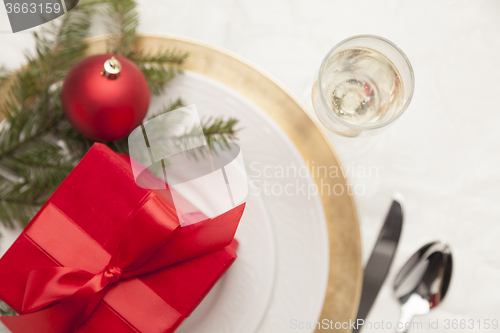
[280,275]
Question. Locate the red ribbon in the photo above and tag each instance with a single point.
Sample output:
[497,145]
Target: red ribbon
[62,298]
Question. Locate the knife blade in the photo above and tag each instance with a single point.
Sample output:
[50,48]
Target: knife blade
[380,261]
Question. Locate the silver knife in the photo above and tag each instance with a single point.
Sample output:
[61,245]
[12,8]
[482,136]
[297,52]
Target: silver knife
[380,261]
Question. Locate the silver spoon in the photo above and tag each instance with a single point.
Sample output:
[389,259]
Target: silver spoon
[423,282]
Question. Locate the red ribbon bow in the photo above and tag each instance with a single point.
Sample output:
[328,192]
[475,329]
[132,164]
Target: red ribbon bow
[63,297]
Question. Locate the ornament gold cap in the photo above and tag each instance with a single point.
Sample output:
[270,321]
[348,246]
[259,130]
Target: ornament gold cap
[112,68]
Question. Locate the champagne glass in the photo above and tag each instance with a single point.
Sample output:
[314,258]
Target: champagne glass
[364,84]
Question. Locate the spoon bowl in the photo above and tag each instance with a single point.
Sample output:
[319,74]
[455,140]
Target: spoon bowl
[423,282]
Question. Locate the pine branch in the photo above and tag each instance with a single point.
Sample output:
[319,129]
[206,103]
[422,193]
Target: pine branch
[74,144]
[160,67]
[158,76]
[19,211]
[4,75]
[93,6]
[218,132]
[29,175]
[215,129]
[32,165]
[23,127]
[59,46]
[5,310]
[122,26]
[163,57]
[178,103]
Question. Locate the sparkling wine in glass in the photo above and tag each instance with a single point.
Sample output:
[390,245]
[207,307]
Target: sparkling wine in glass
[364,84]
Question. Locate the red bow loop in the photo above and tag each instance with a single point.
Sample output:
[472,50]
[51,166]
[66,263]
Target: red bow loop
[58,283]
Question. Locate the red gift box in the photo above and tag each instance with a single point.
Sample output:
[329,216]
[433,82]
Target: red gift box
[106,255]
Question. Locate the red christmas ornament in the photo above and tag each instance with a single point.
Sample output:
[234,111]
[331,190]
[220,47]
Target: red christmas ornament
[105,97]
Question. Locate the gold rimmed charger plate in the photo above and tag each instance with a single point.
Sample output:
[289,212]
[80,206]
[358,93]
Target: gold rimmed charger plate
[345,271]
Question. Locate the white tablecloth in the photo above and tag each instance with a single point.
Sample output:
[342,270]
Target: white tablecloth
[443,155]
